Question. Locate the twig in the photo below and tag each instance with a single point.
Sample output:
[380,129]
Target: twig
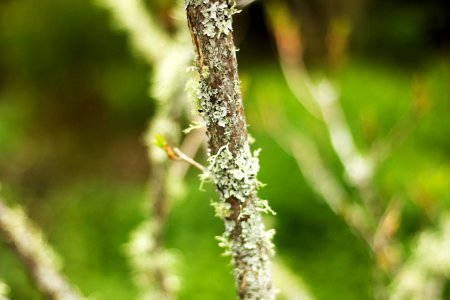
[318,176]
[383,238]
[191,144]
[143,31]
[176,153]
[185,158]
[359,167]
[36,255]
[404,126]
[321,100]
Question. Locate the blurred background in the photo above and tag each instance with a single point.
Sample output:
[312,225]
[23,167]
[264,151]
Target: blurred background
[349,101]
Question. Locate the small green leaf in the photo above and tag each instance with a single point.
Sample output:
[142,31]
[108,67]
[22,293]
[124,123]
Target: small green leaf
[159,141]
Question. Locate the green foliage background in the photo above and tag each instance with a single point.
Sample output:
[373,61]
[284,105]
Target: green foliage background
[74,107]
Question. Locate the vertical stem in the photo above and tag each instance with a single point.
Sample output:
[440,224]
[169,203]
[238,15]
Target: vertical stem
[232,168]
[171,54]
[158,212]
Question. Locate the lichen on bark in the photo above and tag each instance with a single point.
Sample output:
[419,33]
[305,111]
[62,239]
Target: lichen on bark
[232,165]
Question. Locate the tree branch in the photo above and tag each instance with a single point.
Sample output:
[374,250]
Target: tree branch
[232,167]
[37,257]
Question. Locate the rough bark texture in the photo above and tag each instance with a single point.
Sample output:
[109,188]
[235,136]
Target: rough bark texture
[232,167]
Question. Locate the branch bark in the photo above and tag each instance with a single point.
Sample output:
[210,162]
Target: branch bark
[233,167]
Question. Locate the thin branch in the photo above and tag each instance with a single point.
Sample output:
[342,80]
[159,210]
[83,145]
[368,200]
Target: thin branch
[192,143]
[144,34]
[176,153]
[189,160]
[401,130]
[316,173]
[321,100]
[384,244]
[39,259]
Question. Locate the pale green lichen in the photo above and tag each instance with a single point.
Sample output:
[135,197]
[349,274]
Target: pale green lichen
[222,209]
[237,86]
[205,73]
[213,113]
[254,249]
[234,175]
[217,19]
[217,16]
[264,207]
[194,126]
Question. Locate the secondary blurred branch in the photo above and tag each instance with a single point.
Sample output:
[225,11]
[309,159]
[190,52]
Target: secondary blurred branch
[322,101]
[319,99]
[167,54]
[144,34]
[314,169]
[38,258]
[426,271]
[420,104]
